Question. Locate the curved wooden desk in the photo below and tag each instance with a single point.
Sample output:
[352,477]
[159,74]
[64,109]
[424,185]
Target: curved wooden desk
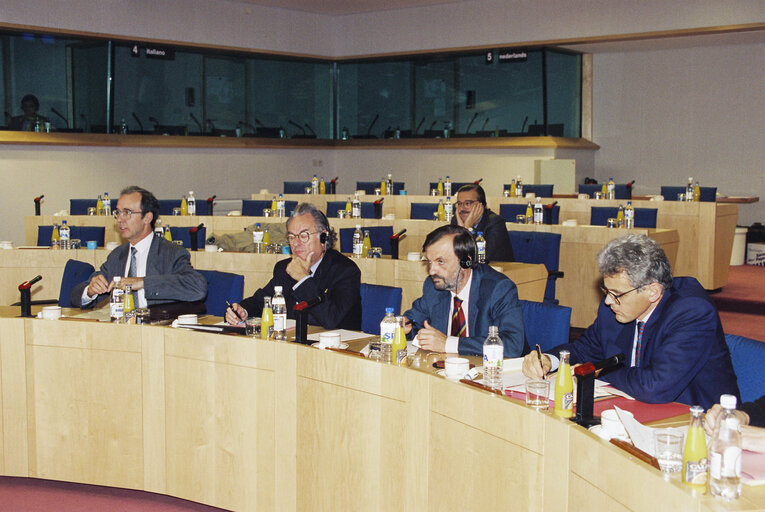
[253,425]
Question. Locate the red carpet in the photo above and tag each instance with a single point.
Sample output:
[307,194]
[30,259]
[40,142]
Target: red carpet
[741,303]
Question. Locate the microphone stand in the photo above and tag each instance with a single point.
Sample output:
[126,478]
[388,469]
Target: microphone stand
[210,202]
[37,204]
[26,296]
[394,240]
[585,391]
[194,234]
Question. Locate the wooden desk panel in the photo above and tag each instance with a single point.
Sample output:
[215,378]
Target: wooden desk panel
[255,425]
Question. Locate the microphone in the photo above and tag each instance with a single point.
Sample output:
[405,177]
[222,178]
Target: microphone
[303,305]
[309,127]
[419,125]
[478,181]
[38,198]
[257,122]
[483,127]
[467,130]
[369,130]
[85,120]
[396,236]
[629,185]
[26,285]
[605,364]
[154,120]
[196,228]
[585,390]
[193,236]
[210,122]
[194,118]
[37,204]
[210,202]
[293,123]
[523,126]
[140,124]
[59,114]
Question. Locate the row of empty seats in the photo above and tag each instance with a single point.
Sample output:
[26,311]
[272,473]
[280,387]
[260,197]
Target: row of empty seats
[96,233]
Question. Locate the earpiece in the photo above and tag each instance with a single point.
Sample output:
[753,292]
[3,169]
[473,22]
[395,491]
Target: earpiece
[466,263]
[323,237]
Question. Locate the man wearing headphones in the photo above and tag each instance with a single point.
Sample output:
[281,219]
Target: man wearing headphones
[472,214]
[461,299]
[315,270]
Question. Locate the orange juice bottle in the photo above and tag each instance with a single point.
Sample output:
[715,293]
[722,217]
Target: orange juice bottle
[398,352]
[564,388]
[695,453]
[266,320]
[184,206]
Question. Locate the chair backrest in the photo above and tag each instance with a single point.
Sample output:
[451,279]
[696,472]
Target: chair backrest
[296,187]
[644,217]
[82,233]
[222,287]
[510,211]
[422,210]
[255,207]
[622,190]
[456,185]
[706,194]
[75,272]
[538,190]
[80,206]
[374,299]
[367,209]
[546,324]
[748,357]
[184,235]
[378,235]
[370,186]
[534,247]
[166,206]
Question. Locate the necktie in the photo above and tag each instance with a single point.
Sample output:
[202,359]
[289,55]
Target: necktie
[133,270]
[640,326]
[458,318]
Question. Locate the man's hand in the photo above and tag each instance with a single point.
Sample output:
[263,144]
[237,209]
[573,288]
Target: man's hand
[473,217]
[715,413]
[235,315]
[98,285]
[407,325]
[136,283]
[431,339]
[298,268]
[531,367]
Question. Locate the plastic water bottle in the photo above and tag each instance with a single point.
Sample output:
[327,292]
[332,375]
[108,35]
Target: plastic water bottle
[117,301]
[280,207]
[64,234]
[356,207]
[358,242]
[493,356]
[611,189]
[315,185]
[107,204]
[389,184]
[518,187]
[539,213]
[158,229]
[448,186]
[629,216]
[257,238]
[480,244]
[192,203]
[725,453]
[387,331]
[279,307]
[123,126]
[448,209]
[689,189]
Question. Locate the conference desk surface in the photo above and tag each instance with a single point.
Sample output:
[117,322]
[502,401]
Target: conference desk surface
[248,424]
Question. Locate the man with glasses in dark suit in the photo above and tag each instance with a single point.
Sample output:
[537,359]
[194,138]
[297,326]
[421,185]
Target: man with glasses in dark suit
[157,270]
[472,214]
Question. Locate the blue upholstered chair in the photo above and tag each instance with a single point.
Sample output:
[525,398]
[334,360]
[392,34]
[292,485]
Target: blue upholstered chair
[644,217]
[184,235]
[222,287]
[378,235]
[80,206]
[255,207]
[82,233]
[370,186]
[538,190]
[546,324]
[706,194]
[510,211]
[748,357]
[534,247]
[75,272]
[456,185]
[422,210]
[374,299]
[622,191]
[166,206]
[296,187]
[367,209]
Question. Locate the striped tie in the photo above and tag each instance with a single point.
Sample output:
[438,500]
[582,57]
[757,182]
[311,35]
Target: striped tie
[133,270]
[640,327]
[458,318]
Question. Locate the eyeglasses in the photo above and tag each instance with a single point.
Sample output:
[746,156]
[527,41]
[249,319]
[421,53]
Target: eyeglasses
[466,204]
[124,213]
[614,296]
[304,236]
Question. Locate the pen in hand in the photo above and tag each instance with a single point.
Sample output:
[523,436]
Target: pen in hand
[539,356]
[237,314]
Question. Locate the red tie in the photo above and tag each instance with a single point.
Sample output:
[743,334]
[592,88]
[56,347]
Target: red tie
[458,318]
[640,326]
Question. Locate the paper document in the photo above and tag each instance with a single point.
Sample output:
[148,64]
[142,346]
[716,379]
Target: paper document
[345,335]
[516,381]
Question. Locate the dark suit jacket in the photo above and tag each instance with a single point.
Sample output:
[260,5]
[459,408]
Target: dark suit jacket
[336,276]
[169,274]
[498,247]
[685,358]
[493,301]
[756,411]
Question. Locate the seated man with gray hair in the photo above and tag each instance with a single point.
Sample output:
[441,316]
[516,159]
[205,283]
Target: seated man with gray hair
[668,329]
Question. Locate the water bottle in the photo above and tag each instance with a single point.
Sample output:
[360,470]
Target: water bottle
[448,209]
[55,239]
[64,234]
[387,332]
[629,216]
[539,213]
[611,189]
[493,356]
[448,186]
[191,203]
[725,453]
[279,307]
[356,207]
[107,204]
[37,126]
[389,183]
[689,189]
[280,208]
[159,231]
[480,244]
[358,242]
[518,187]
[315,185]
[123,126]
[116,301]
[257,238]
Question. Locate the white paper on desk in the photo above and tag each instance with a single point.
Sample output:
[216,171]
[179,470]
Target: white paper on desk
[641,436]
[345,335]
[516,381]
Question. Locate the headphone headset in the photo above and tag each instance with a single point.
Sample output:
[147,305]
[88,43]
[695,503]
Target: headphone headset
[466,263]
[465,249]
[323,237]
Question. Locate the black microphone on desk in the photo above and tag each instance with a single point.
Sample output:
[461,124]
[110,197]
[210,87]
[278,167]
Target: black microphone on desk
[26,296]
[257,122]
[155,121]
[28,284]
[475,116]
[301,318]
[85,121]
[396,236]
[585,391]
[210,203]
[210,122]
[419,125]
[523,126]
[59,114]
[140,124]
[369,130]
[309,127]
[38,199]
[193,236]
[293,123]
[307,304]
[194,118]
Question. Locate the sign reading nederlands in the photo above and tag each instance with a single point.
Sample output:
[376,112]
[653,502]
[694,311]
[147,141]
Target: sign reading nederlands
[512,56]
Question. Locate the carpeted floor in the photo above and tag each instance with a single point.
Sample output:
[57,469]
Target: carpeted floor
[741,303]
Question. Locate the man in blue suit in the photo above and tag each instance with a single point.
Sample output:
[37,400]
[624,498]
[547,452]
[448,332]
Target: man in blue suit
[668,329]
[461,299]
